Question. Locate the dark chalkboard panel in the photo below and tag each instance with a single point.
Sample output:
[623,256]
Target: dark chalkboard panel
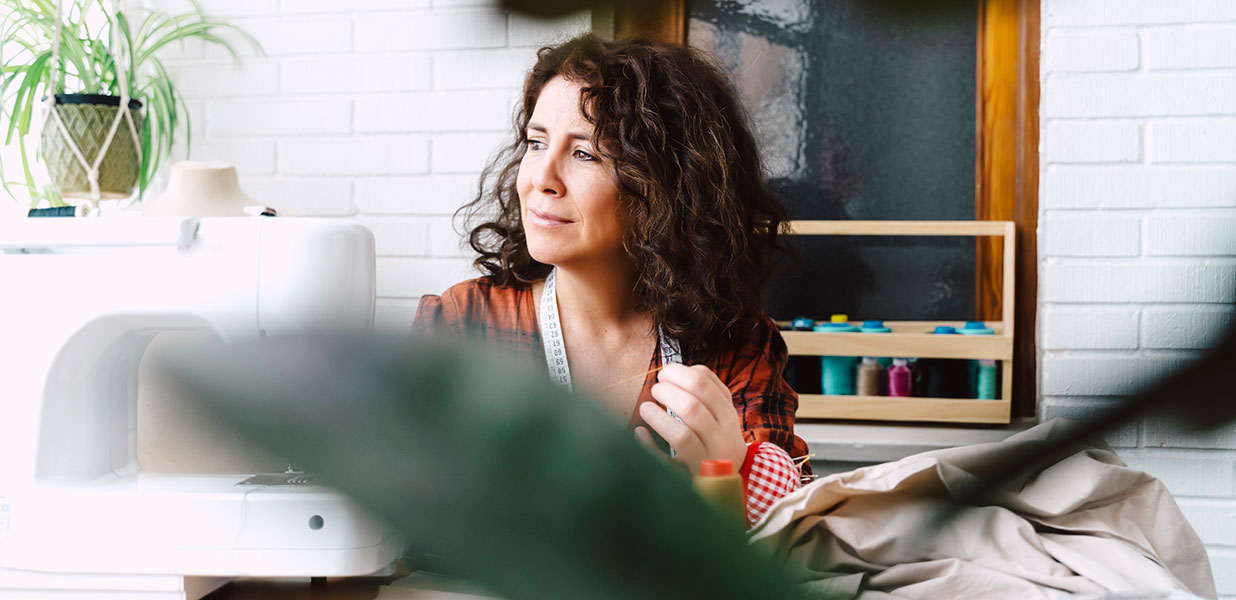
[863,112]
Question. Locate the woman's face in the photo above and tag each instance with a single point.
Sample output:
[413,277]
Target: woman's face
[568,196]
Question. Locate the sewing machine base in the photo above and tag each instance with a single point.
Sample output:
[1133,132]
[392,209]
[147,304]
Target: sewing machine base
[181,536]
[33,585]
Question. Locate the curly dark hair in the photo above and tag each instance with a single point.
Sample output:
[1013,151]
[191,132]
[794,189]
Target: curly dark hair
[705,228]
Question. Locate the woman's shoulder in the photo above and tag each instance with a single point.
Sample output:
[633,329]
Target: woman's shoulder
[483,291]
[475,301]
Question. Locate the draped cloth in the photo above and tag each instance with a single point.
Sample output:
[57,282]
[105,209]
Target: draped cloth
[1086,526]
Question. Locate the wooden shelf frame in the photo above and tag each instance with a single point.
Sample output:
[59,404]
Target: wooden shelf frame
[914,338]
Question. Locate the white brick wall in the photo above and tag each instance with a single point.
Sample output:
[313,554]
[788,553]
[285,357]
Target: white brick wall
[382,111]
[1137,229]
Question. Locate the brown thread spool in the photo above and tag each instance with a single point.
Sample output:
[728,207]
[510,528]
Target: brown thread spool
[870,374]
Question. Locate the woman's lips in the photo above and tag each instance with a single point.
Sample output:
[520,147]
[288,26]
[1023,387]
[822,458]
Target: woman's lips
[541,219]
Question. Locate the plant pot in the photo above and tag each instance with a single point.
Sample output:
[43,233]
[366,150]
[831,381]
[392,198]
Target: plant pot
[88,118]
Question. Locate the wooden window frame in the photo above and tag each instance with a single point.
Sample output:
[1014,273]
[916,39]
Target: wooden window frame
[1006,186]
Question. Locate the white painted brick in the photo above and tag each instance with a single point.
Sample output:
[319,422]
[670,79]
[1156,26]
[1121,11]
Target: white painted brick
[328,6]
[434,112]
[1086,374]
[224,9]
[466,3]
[378,155]
[1191,48]
[1069,51]
[348,74]
[315,197]
[430,30]
[1139,95]
[482,69]
[1223,565]
[283,117]
[1082,409]
[1196,233]
[530,31]
[415,277]
[182,50]
[291,35]
[1214,520]
[394,315]
[1136,12]
[196,113]
[1088,328]
[250,78]
[1092,141]
[399,236]
[422,195]
[1170,432]
[465,152]
[1139,187]
[1184,327]
[1090,234]
[1192,140]
[250,158]
[447,238]
[1138,282]
[1186,472]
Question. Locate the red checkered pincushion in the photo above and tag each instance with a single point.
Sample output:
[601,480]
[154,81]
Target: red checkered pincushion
[768,474]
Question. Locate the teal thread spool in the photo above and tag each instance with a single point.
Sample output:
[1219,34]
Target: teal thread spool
[837,372]
[973,367]
[986,386]
[877,327]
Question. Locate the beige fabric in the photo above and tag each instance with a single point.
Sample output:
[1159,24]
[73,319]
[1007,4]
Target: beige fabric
[1085,526]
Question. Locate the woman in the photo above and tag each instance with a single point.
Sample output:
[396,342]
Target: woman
[629,230]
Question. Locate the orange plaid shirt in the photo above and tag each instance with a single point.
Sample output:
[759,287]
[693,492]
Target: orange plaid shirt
[504,317]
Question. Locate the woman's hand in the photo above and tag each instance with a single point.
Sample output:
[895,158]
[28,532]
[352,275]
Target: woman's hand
[709,428]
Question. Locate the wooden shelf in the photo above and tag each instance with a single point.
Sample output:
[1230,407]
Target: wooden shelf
[914,338]
[921,345]
[923,326]
[886,408]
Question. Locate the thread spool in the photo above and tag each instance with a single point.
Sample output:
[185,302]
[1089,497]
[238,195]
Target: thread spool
[837,372]
[943,377]
[986,386]
[972,366]
[877,327]
[900,379]
[870,377]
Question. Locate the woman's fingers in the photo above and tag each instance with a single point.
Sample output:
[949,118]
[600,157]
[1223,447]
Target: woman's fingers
[680,437]
[702,383]
[643,436]
[686,406]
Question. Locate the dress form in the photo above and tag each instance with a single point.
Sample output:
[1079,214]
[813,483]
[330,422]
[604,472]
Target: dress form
[201,189]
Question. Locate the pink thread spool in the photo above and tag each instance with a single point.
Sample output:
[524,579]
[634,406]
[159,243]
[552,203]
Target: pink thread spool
[900,379]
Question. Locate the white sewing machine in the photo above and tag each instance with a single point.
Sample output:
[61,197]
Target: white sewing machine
[82,298]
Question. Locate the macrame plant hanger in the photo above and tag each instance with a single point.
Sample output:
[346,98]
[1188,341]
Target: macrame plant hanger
[92,169]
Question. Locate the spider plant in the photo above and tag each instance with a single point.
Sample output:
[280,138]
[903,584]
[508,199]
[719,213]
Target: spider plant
[98,44]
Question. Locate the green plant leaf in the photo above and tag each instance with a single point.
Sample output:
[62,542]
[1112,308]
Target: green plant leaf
[93,60]
[512,481]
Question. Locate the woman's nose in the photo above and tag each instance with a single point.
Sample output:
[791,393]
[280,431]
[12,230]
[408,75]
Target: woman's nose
[546,177]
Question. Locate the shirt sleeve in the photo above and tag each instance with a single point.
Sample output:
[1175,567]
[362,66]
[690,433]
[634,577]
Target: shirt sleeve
[765,403]
[429,318]
[776,462]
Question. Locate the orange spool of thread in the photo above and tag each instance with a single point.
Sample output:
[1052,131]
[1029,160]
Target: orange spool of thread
[719,484]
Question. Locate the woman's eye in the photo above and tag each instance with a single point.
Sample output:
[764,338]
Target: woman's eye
[580,154]
[536,145]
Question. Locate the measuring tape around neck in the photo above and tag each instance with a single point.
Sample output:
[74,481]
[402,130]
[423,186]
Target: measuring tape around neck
[555,348]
